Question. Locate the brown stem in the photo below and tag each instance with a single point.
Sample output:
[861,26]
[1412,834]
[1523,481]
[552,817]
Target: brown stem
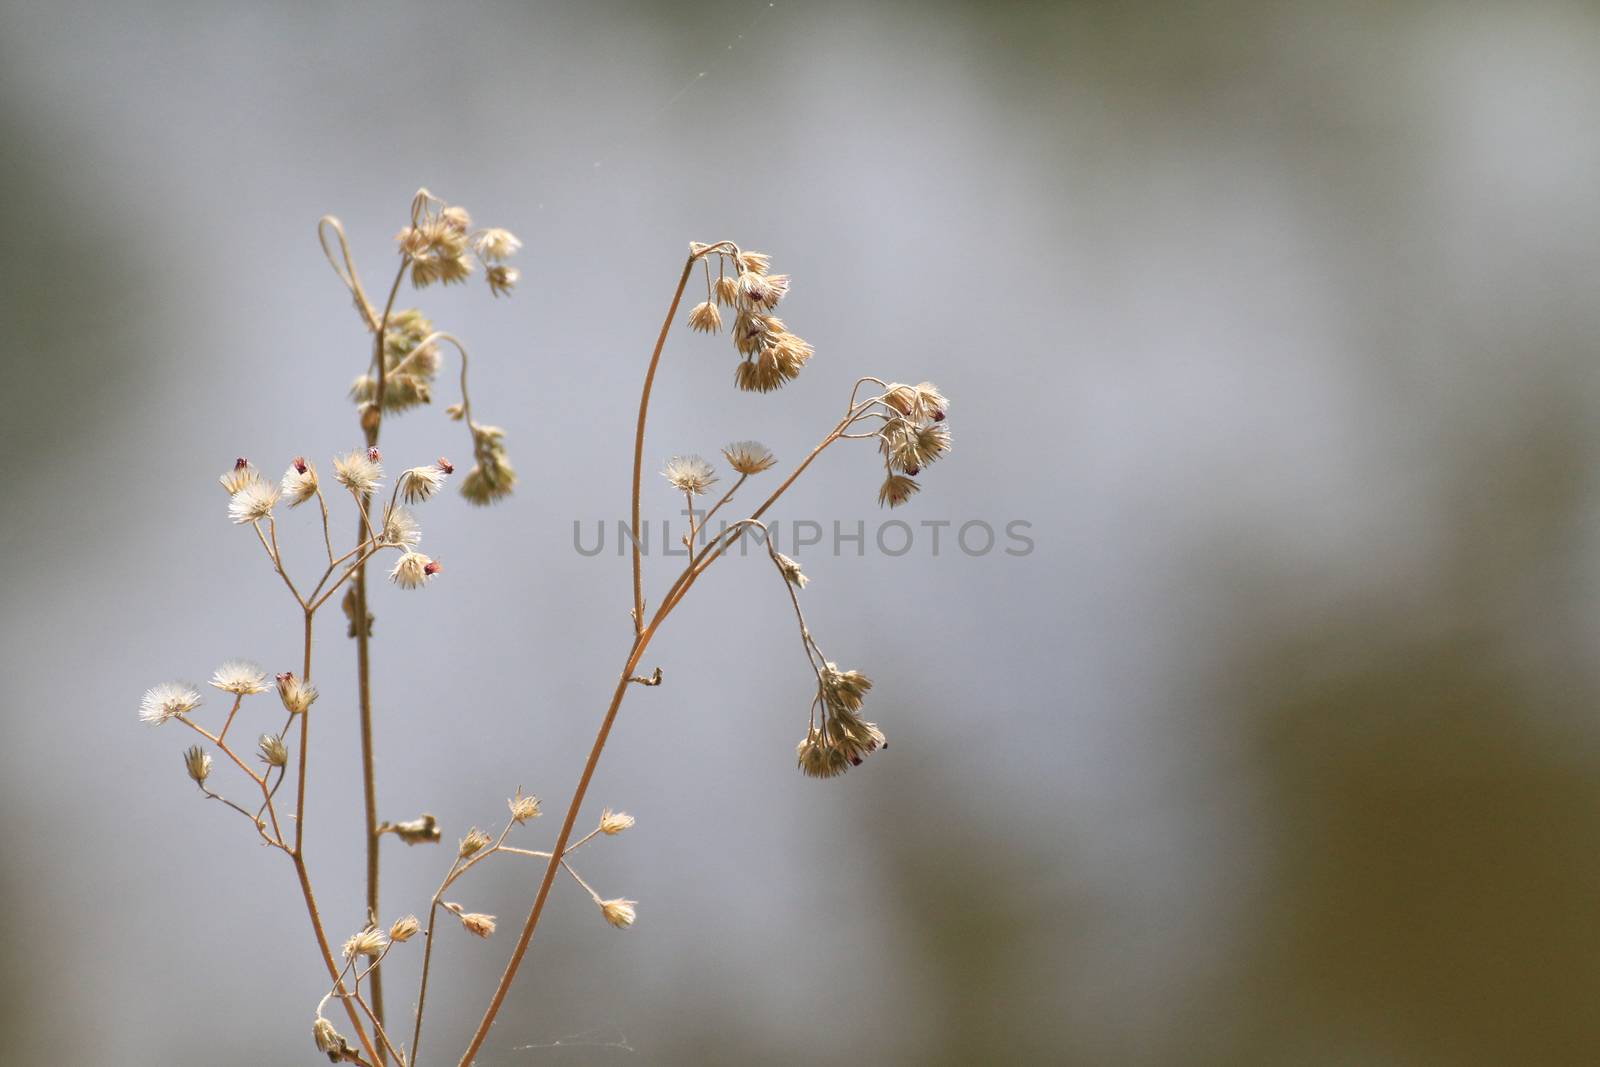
[298,855]
[638,441]
[369,786]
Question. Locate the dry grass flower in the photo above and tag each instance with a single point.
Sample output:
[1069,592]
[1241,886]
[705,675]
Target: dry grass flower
[297,695]
[477,924]
[690,474]
[198,763]
[239,677]
[619,913]
[359,471]
[299,482]
[475,841]
[238,476]
[523,807]
[253,502]
[404,929]
[369,942]
[413,570]
[749,457]
[168,700]
[420,483]
[613,823]
[705,318]
[274,753]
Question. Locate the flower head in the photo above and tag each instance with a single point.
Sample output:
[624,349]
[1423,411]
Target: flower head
[413,570]
[238,476]
[274,753]
[358,471]
[690,474]
[329,1040]
[613,823]
[476,923]
[400,528]
[297,696]
[503,279]
[237,676]
[475,841]
[523,807]
[404,929]
[420,483]
[496,244]
[896,490]
[619,913]
[198,763]
[253,502]
[705,318]
[168,700]
[749,457]
[369,942]
[299,481]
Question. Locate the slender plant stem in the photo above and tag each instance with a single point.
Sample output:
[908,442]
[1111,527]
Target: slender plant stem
[298,856]
[369,781]
[638,440]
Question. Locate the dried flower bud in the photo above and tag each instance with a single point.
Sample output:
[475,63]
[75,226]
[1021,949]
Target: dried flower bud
[198,763]
[404,929]
[299,482]
[790,570]
[475,842]
[253,502]
[237,676]
[400,528]
[477,924]
[457,218]
[523,807]
[619,913]
[329,1040]
[496,244]
[455,269]
[727,291]
[413,570]
[503,279]
[705,318]
[690,474]
[238,476]
[613,823]
[420,483]
[166,701]
[424,272]
[369,942]
[297,696]
[896,490]
[759,262]
[358,472]
[749,457]
[273,751]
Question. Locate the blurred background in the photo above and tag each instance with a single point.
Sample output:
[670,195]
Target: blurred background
[1275,322]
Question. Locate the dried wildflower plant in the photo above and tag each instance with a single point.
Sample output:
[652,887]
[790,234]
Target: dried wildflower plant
[439,245]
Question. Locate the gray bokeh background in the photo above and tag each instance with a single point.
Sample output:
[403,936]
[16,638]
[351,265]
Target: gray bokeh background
[1276,322]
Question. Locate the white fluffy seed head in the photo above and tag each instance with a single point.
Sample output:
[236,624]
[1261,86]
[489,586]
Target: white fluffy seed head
[167,700]
[690,474]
